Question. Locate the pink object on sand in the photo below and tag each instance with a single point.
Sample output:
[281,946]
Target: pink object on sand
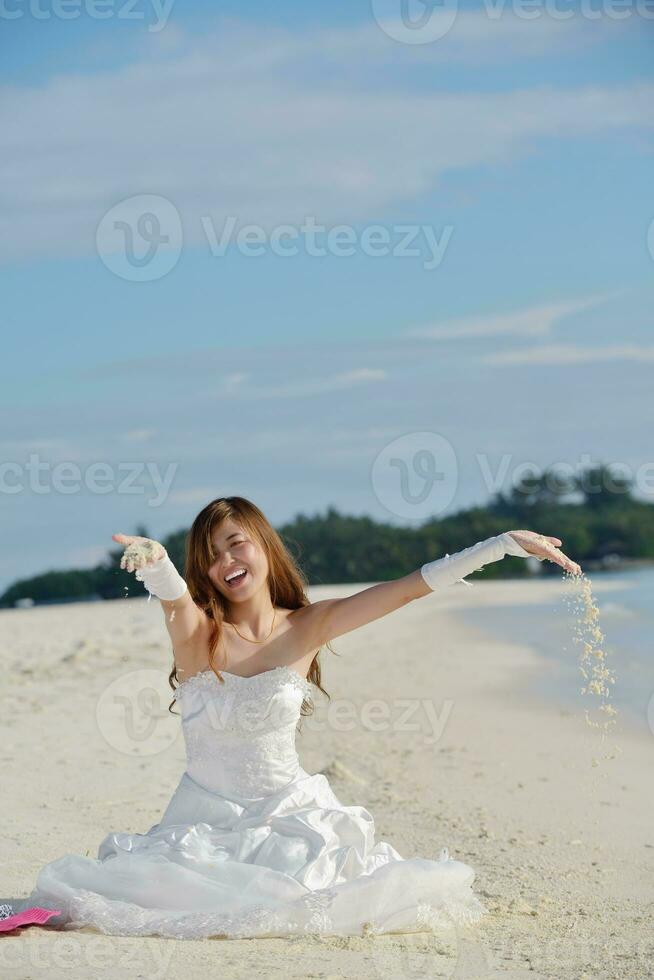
[28,917]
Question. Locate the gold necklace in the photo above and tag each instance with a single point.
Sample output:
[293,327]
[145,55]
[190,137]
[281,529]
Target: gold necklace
[256,641]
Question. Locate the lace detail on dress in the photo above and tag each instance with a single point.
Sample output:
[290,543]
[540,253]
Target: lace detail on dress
[316,904]
[240,734]
[87,909]
[244,769]
[207,679]
[125,919]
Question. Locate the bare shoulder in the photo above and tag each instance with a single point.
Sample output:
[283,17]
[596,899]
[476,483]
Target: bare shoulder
[311,612]
[304,635]
[311,618]
[306,622]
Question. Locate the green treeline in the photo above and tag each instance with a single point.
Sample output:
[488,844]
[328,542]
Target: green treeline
[595,515]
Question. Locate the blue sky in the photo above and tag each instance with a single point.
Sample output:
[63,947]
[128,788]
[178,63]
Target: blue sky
[524,147]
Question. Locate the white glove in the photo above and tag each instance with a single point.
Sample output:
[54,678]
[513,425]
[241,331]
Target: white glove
[162,579]
[446,571]
[149,561]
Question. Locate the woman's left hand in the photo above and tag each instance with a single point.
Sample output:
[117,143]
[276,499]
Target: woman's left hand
[544,546]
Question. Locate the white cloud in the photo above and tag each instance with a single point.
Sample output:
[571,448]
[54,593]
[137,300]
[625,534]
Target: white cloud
[214,129]
[138,435]
[531,322]
[234,380]
[559,355]
[475,36]
[313,386]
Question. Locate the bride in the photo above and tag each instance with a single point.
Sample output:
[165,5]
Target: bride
[251,844]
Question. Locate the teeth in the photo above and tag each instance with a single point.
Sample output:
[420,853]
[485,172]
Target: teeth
[229,578]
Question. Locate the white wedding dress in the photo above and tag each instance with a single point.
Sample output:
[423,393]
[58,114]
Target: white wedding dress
[251,844]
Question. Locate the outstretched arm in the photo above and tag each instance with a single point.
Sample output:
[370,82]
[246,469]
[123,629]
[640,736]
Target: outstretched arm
[149,560]
[334,617]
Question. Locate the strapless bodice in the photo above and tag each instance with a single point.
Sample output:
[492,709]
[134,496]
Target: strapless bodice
[240,735]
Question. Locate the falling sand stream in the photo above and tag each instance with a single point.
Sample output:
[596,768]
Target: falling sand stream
[592,662]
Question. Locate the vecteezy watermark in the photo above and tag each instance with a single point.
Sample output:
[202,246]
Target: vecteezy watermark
[420,716]
[132,713]
[42,477]
[86,956]
[156,11]
[586,477]
[416,475]
[650,238]
[140,239]
[133,717]
[425,21]
[316,240]
[443,949]
[460,953]
[415,21]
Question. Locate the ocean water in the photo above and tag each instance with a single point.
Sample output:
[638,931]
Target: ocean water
[626,617]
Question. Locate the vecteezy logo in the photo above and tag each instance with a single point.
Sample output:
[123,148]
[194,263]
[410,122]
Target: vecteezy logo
[140,239]
[132,713]
[416,475]
[415,21]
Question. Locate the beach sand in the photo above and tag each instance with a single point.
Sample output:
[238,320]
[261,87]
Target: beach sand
[430,727]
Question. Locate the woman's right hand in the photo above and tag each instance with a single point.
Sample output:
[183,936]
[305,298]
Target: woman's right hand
[139,551]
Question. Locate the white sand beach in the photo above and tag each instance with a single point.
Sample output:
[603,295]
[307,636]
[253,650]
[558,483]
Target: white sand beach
[429,727]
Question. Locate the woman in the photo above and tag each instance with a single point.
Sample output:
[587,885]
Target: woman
[251,844]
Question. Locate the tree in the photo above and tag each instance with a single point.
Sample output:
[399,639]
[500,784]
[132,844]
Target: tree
[601,487]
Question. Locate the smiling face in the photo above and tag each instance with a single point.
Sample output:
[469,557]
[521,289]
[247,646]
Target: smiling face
[235,550]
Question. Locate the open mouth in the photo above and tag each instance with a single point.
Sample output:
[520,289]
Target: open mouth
[236,580]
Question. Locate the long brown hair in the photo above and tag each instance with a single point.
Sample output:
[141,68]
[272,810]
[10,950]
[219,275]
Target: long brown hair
[286,582]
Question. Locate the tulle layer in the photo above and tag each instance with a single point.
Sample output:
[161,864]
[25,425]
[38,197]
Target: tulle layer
[294,863]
